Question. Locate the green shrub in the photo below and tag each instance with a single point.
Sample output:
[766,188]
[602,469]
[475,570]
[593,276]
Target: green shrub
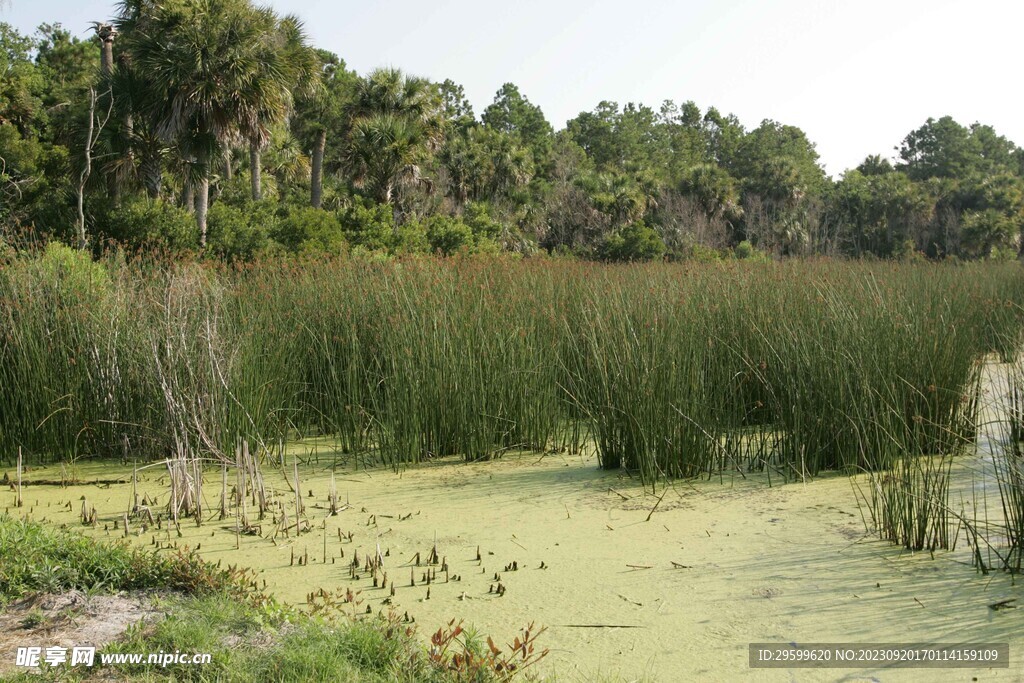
[411,239]
[485,245]
[635,242]
[703,254]
[477,216]
[448,235]
[905,251]
[745,251]
[236,192]
[311,230]
[362,254]
[73,273]
[152,223]
[369,225]
[564,251]
[1007,254]
[237,233]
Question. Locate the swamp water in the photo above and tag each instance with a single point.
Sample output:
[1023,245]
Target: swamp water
[624,593]
[675,597]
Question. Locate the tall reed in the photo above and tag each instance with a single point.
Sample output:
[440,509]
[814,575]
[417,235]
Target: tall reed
[672,370]
[1003,533]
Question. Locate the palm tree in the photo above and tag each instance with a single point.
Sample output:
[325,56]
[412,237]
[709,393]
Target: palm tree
[214,76]
[511,164]
[383,152]
[712,188]
[460,162]
[135,151]
[396,120]
[322,110]
[287,161]
[616,195]
[105,33]
[296,69]
[390,91]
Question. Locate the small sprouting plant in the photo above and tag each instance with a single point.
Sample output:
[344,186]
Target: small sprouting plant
[455,651]
[33,620]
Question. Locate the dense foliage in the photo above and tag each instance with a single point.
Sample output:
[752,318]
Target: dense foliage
[215,124]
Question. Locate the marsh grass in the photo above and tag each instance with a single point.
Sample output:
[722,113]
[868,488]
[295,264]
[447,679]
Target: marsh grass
[1003,529]
[669,370]
[909,503]
[1010,477]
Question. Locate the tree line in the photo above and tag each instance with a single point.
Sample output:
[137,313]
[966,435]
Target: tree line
[215,125]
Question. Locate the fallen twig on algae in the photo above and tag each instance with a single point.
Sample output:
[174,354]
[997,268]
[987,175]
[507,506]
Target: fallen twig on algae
[651,513]
[620,495]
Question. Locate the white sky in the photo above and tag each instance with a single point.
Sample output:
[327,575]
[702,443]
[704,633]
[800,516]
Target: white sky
[857,76]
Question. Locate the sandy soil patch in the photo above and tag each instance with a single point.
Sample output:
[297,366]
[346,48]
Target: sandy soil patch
[70,619]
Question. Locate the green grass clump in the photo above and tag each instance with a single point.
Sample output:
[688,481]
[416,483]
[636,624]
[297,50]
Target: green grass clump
[36,558]
[247,644]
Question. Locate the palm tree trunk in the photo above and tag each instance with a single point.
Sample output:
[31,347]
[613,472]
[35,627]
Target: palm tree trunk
[256,170]
[106,35]
[152,174]
[129,136]
[317,180]
[113,188]
[107,59]
[202,205]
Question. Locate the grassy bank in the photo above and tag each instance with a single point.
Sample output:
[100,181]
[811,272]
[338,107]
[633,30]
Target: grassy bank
[217,611]
[672,370]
